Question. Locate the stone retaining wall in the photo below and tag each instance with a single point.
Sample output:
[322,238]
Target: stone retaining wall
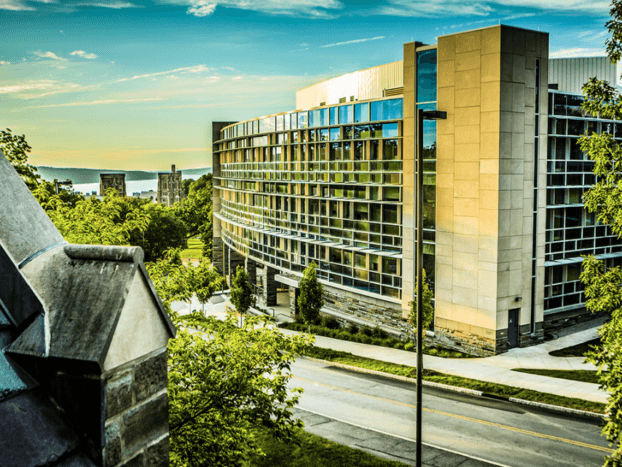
[374,310]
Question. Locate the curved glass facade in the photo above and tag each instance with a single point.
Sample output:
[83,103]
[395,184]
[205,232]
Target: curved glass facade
[321,185]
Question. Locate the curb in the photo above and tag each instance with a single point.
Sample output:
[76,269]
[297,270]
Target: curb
[472,392]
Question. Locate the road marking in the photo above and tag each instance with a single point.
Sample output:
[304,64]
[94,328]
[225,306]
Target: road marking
[469,419]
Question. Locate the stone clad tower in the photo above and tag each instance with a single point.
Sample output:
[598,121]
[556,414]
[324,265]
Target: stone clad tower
[170,189]
[116,181]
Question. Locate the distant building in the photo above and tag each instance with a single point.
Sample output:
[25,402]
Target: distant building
[151,194]
[114,180]
[170,189]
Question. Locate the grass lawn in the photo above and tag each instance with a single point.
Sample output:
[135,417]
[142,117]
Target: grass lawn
[578,350]
[493,389]
[313,451]
[585,376]
[194,250]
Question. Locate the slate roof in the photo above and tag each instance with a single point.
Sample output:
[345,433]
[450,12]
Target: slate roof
[57,302]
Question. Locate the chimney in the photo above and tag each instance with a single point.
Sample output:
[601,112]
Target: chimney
[173,168]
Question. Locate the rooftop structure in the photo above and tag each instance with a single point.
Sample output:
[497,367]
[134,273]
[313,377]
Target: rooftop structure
[112,180]
[83,340]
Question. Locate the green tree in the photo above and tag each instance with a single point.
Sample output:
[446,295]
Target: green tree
[205,281]
[91,221]
[602,286]
[310,300]
[196,212]
[224,381]
[16,150]
[242,296]
[185,184]
[428,309]
[165,230]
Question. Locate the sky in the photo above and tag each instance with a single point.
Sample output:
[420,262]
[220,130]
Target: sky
[136,84]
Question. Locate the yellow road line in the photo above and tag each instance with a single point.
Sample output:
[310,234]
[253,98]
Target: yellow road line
[469,419]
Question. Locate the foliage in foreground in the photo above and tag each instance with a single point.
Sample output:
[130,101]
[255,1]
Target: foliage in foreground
[16,150]
[494,389]
[310,450]
[224,382]
[602,287]
[578,350]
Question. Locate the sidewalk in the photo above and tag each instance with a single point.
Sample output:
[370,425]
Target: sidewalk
[497,369]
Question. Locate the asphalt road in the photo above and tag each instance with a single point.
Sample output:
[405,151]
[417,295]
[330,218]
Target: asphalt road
[497,431]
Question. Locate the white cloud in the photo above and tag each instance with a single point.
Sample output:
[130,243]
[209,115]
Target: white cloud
[112,5]
[585,33]
[201,8]
[578,52]
[21,5]
[83,54]
[188,69]
[3,62]
[517,16]
[101,102]
[296,8]
[355,41]
[440,8]
[16,88]
[51,55]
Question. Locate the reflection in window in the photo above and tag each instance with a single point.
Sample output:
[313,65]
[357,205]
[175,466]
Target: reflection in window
[345,114]
[426,76]
[334,134]
[390,150]
[334,120]
[361,113]
[302,119]
[389,130]
[392,109]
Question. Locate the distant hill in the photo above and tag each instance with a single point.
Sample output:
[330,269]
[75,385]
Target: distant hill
[79,176]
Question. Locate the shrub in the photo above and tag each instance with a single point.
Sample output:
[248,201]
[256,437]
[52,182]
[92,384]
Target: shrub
[399,346]
[365,339]
[330,323]
[353,328]
[432,351]
[377,332]
[410,346]
[367,331]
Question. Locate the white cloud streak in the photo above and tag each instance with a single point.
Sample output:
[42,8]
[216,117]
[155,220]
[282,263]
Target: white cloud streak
[83,54]
[188,69]
[51,55]
[295,8]
[111,5]
[101,102]
[355,41]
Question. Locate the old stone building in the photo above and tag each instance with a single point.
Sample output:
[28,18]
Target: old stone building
[170,189]
[83,335]
[116,181]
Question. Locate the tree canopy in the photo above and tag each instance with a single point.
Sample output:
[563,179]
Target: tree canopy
[242,296]
[16,150]
[602,285]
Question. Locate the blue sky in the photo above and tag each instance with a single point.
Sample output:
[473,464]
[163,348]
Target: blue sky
[136,84]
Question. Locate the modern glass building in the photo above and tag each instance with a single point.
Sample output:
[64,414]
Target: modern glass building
[335,182]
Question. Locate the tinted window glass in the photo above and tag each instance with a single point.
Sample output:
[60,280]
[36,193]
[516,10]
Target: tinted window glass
[426,76]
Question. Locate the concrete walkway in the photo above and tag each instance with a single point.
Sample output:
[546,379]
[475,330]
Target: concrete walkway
[497,369]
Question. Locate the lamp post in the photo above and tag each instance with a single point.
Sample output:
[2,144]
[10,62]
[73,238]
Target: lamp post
[421,115]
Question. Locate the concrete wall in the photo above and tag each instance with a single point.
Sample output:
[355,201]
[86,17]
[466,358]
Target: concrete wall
[485,173]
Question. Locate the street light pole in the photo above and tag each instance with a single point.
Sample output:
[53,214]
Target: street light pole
[421,115]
